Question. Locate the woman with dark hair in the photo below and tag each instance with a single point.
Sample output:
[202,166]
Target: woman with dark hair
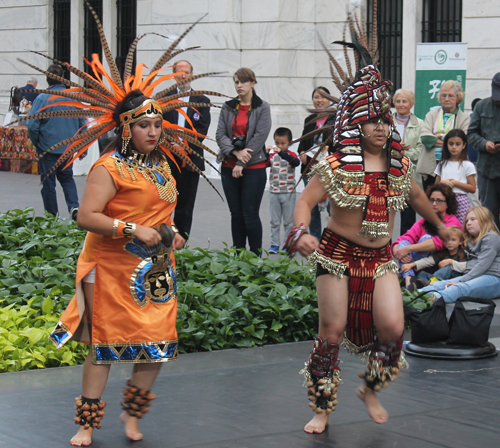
[244,125]
[126,282]
[422,239]
[125,306]
[311,123]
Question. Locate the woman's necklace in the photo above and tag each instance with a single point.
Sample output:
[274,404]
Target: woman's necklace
[157,173]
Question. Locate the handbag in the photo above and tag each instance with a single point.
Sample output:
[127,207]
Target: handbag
[471,326]
[429,325]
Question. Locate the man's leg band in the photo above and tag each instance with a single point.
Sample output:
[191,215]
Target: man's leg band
[384,363]
[89,412]
[322,372]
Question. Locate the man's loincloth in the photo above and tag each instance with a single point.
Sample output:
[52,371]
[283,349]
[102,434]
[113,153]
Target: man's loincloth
[338,256]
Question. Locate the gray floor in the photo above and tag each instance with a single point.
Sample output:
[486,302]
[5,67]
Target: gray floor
[252,398]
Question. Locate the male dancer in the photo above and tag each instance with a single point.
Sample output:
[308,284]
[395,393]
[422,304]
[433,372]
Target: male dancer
[367,179]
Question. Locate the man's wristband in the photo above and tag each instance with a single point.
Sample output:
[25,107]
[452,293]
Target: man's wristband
[441,226]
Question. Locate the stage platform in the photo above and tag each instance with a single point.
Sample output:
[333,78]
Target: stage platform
[252,398]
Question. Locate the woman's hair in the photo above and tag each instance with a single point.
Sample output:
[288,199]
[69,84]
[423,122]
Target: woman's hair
[132,100]
[447,192]
[447,85]
[486,224]
[320,88]
[408,93]
[458,232]
[446,155]
[245,75]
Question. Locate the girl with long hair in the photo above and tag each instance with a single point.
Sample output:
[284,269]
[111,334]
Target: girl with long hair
[456,171]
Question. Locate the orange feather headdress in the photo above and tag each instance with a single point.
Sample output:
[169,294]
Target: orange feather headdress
[105,91]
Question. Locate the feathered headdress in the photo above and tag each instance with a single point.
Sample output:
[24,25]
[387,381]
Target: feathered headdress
[99,102]
[364,94]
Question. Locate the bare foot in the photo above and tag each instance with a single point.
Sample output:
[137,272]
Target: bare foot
[131,426]
[318,423]
[83,437]
[373,406]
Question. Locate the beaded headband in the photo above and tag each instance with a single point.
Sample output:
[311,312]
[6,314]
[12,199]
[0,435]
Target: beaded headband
[148,109]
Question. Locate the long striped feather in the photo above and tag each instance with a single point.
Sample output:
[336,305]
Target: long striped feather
[63,114]
[164,92]
[107,52]
[167,55]
[81,74]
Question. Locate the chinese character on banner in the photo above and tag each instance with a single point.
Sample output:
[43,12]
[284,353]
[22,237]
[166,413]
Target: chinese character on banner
[435,83]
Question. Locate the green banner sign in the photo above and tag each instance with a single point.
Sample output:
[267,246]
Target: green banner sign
[437,63]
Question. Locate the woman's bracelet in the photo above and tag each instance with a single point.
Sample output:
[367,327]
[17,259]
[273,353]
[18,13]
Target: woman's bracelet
[123,229]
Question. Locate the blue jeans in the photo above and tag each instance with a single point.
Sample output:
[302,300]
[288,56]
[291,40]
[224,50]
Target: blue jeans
[244,195]
[65,178]
[315,228]
[414,255]
[445,273]
[482,287]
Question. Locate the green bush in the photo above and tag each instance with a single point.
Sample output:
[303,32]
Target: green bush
[226,298]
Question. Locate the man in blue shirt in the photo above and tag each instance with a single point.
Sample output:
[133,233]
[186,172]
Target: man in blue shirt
[48,132]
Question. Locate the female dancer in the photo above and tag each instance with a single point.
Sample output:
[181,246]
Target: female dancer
[125,305]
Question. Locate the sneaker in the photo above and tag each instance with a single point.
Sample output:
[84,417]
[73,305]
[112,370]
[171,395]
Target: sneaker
[273,249]
[74,213]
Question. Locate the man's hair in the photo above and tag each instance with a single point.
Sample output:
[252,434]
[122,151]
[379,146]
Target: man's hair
[33,81]
[283,132]
[55,69]
[174,68]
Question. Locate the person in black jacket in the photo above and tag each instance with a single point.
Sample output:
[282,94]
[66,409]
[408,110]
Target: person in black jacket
[311,123]
[199,119]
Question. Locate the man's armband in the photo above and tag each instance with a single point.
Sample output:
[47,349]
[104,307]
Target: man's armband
[291,242]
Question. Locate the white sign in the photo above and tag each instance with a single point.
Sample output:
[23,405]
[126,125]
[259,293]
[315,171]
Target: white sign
[442,56]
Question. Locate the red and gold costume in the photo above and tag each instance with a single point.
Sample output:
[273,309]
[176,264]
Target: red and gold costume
[365,97]
[135,302]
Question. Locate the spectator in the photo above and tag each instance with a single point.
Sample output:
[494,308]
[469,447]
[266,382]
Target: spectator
[456,171]
[244,124]
[485,137]
[422,239]
[482,272]
[312,123]
[198,118]
[450,261]
[410,127]
[47,132]
[282,185]
[437,123]
[472,151]
[29,96]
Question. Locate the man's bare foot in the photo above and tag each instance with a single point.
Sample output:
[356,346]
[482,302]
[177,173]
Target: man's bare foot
[83,437]
[131,426]
[373,406]
[318,423]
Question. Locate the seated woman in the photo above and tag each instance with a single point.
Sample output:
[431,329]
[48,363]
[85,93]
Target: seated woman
[449,263]
[422,239]
[482,273]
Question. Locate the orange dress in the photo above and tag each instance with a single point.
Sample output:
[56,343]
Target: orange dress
[135,292]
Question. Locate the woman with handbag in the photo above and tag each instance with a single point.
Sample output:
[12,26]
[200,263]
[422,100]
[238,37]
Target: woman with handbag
[482,273]
[244,125]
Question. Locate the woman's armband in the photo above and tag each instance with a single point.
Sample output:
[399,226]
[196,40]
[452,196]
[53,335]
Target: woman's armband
[123,229]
